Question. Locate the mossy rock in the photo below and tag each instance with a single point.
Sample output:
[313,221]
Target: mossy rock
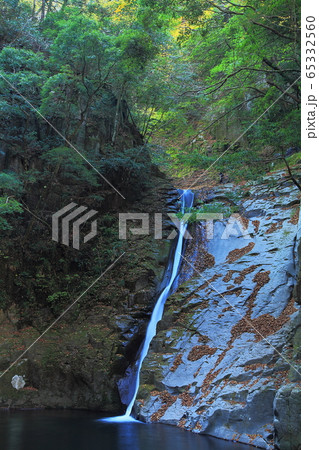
[145,391]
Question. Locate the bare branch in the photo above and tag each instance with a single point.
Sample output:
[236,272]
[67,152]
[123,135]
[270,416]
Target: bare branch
[240,6]
[267,27]
[272,83]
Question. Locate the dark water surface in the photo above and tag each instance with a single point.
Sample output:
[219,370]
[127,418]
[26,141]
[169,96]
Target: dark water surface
[79,430]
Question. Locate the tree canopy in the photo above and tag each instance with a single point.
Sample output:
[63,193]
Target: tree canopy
[121,85]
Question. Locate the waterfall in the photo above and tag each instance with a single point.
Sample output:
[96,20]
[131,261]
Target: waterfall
[187,197]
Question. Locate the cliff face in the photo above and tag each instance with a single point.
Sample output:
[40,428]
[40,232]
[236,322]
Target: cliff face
[78,362]
[225,361]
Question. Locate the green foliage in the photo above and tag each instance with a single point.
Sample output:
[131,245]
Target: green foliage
[134,165]
[70,165]
[10,183]
[237,195]
[57,298]
[212,208]
[242,58]
[16,26]
[292,160]
[137,48]
[242,164]
[14,59]
[8,206]
[185,76]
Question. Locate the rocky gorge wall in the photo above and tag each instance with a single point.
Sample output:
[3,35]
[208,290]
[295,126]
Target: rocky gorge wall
[226,358]
[78,363]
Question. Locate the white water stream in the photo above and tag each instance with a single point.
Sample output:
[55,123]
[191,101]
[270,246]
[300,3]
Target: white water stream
[187,201]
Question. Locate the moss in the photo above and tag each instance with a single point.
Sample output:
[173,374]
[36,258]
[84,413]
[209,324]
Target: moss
[292,160]
[297,343]
[296,355]
[51,356]
[145,391]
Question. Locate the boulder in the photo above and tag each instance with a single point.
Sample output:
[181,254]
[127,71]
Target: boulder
[287,424]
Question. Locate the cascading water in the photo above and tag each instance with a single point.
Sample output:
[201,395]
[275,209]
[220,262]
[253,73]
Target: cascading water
[187,197]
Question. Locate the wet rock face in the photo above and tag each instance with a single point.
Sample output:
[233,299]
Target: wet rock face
[228,344]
